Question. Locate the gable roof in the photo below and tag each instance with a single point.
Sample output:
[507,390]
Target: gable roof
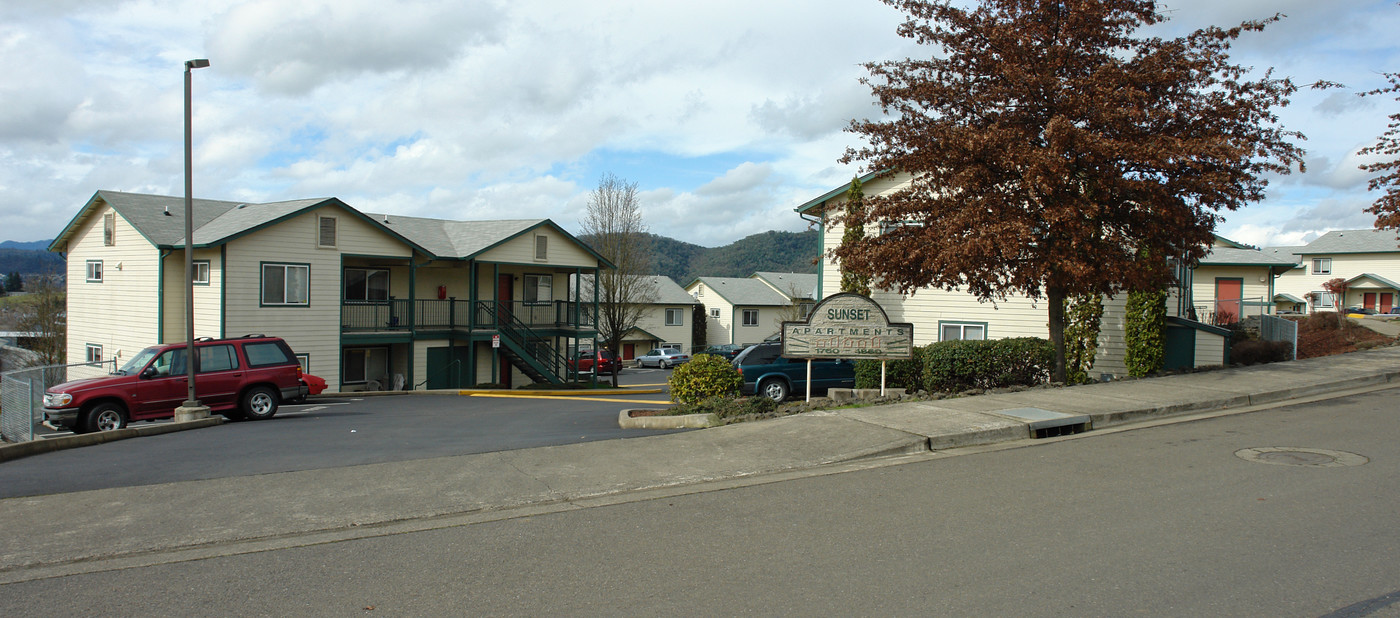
[743,291]
[161,221]
[838,191]
[667,292]
[1374,277]
[1232,256]
[1354,241]
[793,285]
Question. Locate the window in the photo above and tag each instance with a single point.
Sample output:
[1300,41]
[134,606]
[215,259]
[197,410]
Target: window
[170,363]
[217,358]
[887,227]
[750,317]
[953,331]
[201,273]
[714,312]
[539,289]
[305,361]
[325,233]
[366,284]
[267,354]
[541,248]
[675,317]
[286,284]
[1322,266]
[806,309]
[700,291]
[365,364]
[109,229]
[94,271]
[94,353]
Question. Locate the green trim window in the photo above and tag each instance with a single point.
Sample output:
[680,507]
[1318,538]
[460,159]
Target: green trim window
[675,317]
[94,353]
[363,365]
[539,289]
[94,271]
[750,317]
[201,272]
[286,285]
[541,247]
[956,331]
[1322,266]
[366,284]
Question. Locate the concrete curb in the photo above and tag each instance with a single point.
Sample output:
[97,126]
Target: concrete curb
[569,393]
[672,421]
[48,445]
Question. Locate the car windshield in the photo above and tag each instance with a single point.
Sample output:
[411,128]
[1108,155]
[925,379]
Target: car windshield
[137,362]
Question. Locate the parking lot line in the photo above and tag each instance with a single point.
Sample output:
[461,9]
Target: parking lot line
[556,398]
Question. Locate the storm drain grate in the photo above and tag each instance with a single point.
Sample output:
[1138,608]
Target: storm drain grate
[1048,423]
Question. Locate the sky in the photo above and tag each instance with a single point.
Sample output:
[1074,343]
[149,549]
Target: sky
[726,114]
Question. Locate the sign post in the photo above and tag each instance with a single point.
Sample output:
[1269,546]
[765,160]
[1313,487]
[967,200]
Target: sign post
[848,326]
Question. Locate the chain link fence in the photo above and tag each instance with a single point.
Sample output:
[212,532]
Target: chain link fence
[22,394]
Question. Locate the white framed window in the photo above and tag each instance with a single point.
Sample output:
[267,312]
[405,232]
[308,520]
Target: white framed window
[675,317]
[750,317]
[714,312]
[954,331]
[109,229]
[541,247]
[305,361]
[539,289]
[366,284]
[700,291]
[286,285]
[325,231]
[1322,266]
[94,353]
[887,227]
[807,309]
[94,271]
[201,273]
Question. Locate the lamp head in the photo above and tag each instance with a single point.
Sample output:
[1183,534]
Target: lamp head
[197,63]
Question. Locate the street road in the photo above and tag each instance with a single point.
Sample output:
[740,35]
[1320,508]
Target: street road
[330,433]
[1176,520]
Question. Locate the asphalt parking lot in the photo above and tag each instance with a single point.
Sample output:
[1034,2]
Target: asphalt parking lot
[331,432]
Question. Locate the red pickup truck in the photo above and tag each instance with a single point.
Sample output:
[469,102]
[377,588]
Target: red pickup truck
[243,378]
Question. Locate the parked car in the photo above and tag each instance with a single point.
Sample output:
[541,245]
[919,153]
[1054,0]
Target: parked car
[663,358]
[766,372]
[314,386]
[726,351]
[240,378]
[585,360]
[1360,312]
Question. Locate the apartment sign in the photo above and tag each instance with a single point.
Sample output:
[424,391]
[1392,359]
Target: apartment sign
[848,326]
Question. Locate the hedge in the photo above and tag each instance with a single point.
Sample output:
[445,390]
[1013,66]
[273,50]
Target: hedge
[907,374]
[952,366]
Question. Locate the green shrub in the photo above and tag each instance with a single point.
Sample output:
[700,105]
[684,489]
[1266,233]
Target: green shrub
[705,376]
[952,366]
[1146,332]
[907,374]
[1257,351]
[728,407]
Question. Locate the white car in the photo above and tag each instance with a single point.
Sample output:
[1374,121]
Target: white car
[663,358]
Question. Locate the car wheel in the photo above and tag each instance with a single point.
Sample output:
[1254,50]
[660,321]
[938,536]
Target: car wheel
[259,403]
[774,389]
[105,417]
[662,364]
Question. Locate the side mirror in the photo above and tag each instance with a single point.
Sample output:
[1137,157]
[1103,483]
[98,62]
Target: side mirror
[149,373]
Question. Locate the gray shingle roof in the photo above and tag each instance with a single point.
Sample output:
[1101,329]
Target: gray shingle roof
[805,285]
[1284,253]
[744,291]
[1354,241]
[454,238]
[147,213]
[1374,277]
[1220,256]
[667,292]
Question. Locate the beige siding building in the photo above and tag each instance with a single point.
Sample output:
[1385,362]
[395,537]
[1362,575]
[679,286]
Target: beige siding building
[1368,260]
[741,311]
[367,301]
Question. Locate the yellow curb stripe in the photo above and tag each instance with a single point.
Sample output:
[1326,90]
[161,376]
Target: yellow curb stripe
[590,393]
[640,385]
[505,396]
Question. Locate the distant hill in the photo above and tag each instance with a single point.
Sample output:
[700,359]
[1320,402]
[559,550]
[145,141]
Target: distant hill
[29,258]
[766,251]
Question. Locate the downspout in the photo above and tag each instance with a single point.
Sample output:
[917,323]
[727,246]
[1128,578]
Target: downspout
[821,242]
[160,296]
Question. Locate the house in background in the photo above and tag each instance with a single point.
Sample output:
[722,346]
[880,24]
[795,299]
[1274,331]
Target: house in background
[665,321]
[368,301]
[739,310]
[799,288]
[1368,260]
[942,315]
[1232,282]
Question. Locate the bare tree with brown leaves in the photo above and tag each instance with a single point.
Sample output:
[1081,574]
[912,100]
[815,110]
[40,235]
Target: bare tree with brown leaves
[1056,153]
[614,227]
[1387,206]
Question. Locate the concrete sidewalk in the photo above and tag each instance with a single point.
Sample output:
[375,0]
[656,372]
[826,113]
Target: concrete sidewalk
[98,530]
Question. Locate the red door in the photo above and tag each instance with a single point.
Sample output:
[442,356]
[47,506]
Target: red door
[629,351]
[1228,296]
[1368,300]
[1387,301]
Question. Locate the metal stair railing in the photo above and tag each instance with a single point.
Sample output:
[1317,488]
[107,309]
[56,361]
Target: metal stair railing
[530,347]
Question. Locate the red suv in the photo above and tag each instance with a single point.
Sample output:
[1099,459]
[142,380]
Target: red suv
[239,378]
[585,360]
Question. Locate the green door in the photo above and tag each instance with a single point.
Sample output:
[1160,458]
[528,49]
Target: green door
[448,370]
[1180,346]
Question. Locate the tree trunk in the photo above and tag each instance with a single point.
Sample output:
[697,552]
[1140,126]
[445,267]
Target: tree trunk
[1056,298]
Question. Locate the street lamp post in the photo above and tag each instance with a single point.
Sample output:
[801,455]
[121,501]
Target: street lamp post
[191,409]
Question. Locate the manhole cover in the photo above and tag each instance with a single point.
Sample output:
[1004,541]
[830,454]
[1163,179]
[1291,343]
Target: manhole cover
[1300,456]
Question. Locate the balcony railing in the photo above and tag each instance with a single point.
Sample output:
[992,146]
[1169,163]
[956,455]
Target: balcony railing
[425,314]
